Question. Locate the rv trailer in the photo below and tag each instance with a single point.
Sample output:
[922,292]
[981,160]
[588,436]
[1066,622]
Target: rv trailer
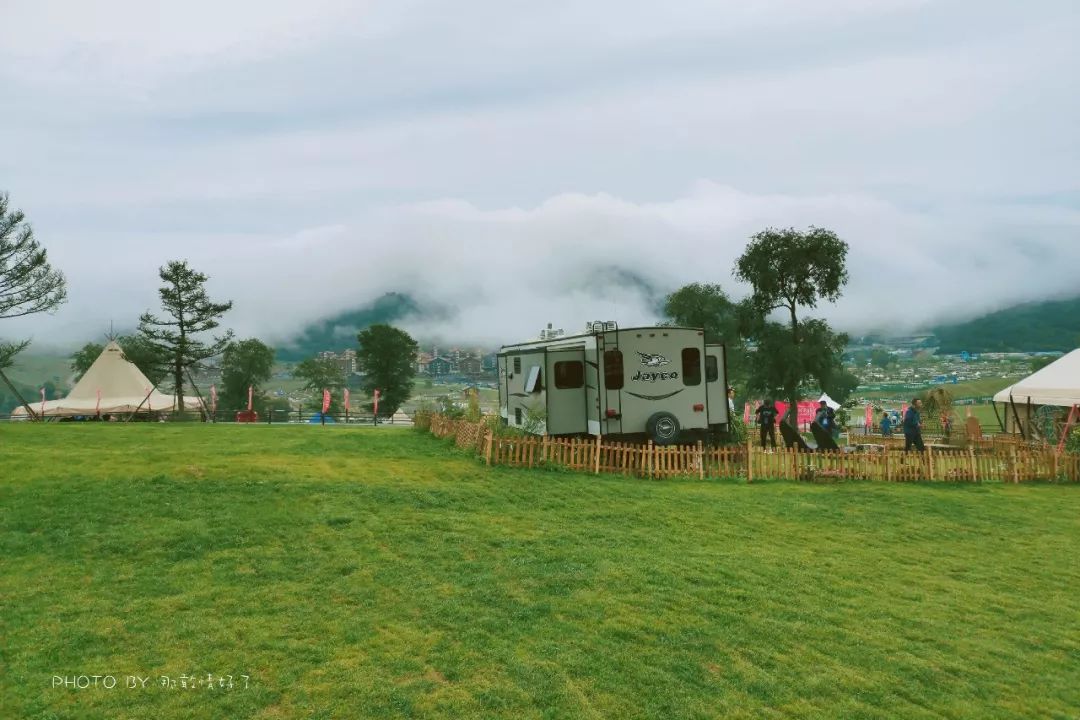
[660,381]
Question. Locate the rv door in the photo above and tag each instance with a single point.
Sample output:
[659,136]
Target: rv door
[567,412]
[716,385]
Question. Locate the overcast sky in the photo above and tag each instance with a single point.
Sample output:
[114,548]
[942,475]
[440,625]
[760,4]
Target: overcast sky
[515,159]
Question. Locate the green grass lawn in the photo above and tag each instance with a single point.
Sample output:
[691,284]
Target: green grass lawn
[355,573]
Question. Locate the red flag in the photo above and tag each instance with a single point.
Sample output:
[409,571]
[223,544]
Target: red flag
[746,414]
[903,410]
[43,403]
[97,408]
[251,390]
[869,416]
[376,404]
[213,399]
[346,399]
[325,401]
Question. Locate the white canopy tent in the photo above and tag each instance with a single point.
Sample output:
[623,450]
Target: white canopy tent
[112,385]
[1057,384]
[829,401]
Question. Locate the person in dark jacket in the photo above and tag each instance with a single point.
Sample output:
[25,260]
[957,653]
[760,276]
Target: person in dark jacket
[886,425]
[766,420]
[826,417]
[913,427]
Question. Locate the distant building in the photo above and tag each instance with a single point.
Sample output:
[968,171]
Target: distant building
[440,366]
[470,366]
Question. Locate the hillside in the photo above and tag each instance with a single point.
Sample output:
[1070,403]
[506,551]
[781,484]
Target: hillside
[339,331]
[1038,326]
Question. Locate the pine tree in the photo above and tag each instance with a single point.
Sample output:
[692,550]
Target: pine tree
[189,313]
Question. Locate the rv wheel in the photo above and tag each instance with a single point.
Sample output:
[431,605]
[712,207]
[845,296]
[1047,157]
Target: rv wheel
[663,428]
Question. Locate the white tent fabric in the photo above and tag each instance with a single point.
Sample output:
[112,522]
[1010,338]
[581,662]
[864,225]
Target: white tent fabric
[829,401]
[122,386]
[1056,384]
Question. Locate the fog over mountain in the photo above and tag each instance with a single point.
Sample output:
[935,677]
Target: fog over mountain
[517,164]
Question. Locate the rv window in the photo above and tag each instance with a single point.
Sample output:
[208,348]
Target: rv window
[569,374]
[517,365]
[517,416]
[532,384]
[712,369]
[691,366]
[613,369]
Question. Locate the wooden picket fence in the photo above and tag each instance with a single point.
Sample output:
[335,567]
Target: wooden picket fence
[1008,462]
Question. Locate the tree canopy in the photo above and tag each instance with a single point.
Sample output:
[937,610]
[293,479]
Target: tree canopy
[245,364]
[387,357]
[789,270]
[28,282]
[189,313]
[707,306]
[321,374]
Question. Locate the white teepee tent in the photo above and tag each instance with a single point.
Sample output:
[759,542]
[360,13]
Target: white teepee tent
[112,385]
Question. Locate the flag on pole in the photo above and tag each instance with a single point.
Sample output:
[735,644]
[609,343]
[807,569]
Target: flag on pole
[213,399]
[869,415]
[325,401]
[97,407]
[346,399]
[42,403]
[251,390]
[375,409]
[746,414]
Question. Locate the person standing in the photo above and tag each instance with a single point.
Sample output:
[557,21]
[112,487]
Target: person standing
[731,401]
[886,425]
[766,419]
[913,427]
[826,417]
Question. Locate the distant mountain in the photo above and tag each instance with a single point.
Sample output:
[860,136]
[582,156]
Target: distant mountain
[339,331]
[1031,327]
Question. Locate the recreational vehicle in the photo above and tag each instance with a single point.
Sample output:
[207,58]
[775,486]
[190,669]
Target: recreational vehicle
[660,381]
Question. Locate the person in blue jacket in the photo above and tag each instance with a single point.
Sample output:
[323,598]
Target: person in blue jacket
[886,425]
[913,427]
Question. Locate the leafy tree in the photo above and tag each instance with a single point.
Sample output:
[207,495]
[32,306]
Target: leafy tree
[84,357]
[790,270]
[244,364]
[1039,363]
[28,283]
[321,374]
[387,357]
[189,313]
[882,358]
[707,306]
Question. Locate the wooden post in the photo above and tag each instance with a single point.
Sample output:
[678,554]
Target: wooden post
[649,456]
[930,462]
[596,459]
[1015,468]
[974,465]
[700,461]
[1054,463]
[749,461]
[488,442]
[544,449]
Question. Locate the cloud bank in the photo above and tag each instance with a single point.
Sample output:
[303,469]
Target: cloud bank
[526,164]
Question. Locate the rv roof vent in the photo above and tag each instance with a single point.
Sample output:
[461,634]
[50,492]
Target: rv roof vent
[549,334]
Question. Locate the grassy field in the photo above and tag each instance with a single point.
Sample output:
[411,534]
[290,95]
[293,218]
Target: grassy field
[378,573]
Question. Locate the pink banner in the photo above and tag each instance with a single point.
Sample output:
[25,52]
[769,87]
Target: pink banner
[805,413]
[251,394]
[376,403]
[869,416]
[213,399]
[42,403]
[325,401]
[346,399]
[746,414]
